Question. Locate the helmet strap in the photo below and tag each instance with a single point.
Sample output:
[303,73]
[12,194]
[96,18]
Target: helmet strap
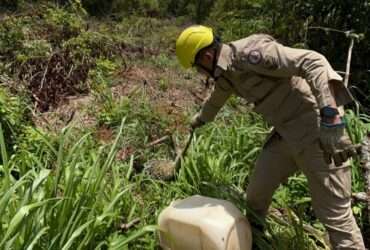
[216,50]
[215,60]
[211,72]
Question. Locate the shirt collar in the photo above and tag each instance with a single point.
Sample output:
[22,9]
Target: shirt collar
[224,60]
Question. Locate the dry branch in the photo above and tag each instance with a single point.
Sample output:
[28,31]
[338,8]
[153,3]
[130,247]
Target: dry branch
[51,79]
[282,220]
[158,141]
[349,58]
[127,226]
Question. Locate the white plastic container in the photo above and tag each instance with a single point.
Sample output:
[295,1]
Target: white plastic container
[203,223]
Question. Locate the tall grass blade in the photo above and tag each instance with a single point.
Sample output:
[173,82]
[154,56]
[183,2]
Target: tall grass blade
[110,157]
[76,234]
[20,218]
[6,197]
[4,158]
[120,243]
[37,238]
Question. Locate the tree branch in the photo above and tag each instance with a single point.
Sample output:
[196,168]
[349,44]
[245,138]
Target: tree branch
[349,58]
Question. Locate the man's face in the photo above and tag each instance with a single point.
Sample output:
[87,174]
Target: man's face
[204,62]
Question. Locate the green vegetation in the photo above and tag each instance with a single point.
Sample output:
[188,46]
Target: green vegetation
[87,86]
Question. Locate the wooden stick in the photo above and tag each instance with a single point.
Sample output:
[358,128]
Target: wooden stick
[348,34]
[349,58]
[126,226]
[183,151]
[327,29]
[44,77]
[158,141]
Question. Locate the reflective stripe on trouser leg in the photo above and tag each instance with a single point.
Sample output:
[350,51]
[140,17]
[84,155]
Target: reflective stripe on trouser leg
[273,166]
[330,188]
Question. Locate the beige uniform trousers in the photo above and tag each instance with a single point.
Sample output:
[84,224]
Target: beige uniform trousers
[330,188]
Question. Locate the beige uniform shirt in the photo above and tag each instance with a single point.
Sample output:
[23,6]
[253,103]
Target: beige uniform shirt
[287,86]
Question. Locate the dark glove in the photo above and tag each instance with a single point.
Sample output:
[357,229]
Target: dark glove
[336,143]
[196,122]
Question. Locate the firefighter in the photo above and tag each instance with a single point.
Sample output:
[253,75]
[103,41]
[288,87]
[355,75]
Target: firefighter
[301,96]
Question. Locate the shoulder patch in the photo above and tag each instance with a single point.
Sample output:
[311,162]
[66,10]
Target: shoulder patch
[254,57]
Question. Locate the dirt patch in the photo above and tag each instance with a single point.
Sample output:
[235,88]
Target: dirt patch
[125,153]
[74,110]
[132,79]
[151,77]
[104,134]
[174,100]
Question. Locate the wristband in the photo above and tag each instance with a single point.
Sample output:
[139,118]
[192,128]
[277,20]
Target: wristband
[329,112]
[336,125]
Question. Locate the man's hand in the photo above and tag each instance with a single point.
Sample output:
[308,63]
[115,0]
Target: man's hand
[196,122]
[336,143]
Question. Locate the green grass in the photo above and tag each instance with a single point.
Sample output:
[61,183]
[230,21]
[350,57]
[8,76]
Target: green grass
[78,196]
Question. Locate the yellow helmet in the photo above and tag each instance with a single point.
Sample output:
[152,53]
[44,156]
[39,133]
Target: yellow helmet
[190,42]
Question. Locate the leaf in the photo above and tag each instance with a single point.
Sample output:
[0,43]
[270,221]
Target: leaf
[37,237]
[76,234]
[44,173]
[6,197]
[19,218]
[123,241]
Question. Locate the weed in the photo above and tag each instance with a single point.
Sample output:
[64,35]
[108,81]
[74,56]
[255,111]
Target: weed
[101,75]
[12,117]
[11,37]
[163,61]
[34,49]
[92,44]
[163,84]
[62,24]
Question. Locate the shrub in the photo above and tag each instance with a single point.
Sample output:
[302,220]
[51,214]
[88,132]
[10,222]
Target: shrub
[98,7]
[92,44]
[63,24]
[101,75]
[34,49]
[51,79]
[101,7]
[10,4]
[12,116]
[149,7]
[11,37]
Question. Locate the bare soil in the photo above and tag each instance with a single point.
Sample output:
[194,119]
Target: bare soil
[176,101]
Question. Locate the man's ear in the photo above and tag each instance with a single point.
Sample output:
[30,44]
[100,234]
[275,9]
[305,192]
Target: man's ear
[209,55]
